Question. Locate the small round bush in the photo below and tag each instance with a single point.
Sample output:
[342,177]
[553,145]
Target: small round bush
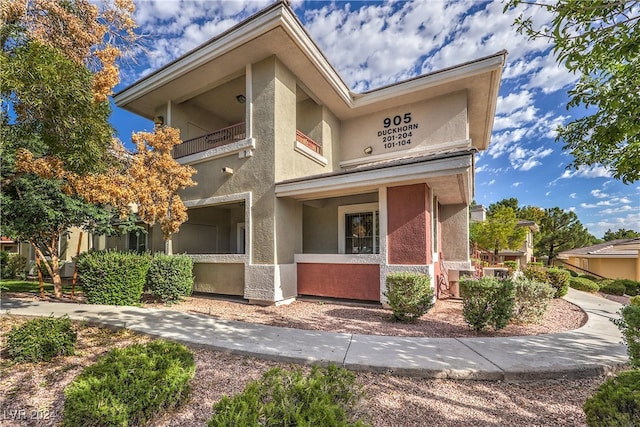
[629,325]
[409,295]
[536,273]
[582,284]
[612,287]
[325,397]
[635,301]
[113,277]
[559,279]
[616,403]
[130,386]
[41,339]
[531,300]
[487,302]
[170,277]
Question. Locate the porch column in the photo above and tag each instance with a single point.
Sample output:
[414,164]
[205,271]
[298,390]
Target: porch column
[409,220]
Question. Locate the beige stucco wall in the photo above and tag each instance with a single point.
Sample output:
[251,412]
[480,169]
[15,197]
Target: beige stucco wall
[191,120]
[225,279]
[320,222]
[207,231]
[454,229]
[69,243]
[612,268]
[432,122]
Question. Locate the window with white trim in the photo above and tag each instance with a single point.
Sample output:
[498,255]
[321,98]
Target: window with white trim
[358,229]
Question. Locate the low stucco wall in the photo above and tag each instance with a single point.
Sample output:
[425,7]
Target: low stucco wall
[227,279]
[350,281]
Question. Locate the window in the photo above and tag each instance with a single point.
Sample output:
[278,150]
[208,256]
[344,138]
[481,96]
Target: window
[137,241]
[358,229]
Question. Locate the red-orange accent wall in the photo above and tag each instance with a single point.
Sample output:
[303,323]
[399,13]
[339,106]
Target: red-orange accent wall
[408,226]
[351,281]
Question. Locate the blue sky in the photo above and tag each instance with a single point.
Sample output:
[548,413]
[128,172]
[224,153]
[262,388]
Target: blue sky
[377,43]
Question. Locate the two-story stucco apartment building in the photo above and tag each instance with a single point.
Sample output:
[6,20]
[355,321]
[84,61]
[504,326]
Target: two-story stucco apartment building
[304,187]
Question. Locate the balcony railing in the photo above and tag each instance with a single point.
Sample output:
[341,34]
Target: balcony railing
[308,142]
[215,139]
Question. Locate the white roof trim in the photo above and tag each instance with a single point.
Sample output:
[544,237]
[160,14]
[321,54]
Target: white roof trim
[307,189]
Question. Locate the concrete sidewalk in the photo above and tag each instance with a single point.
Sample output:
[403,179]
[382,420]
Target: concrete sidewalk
[594,349]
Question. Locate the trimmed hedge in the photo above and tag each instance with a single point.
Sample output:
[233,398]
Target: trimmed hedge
[170,277]
[535,272]
[129,386]
[280,398]
[582,284]
[487,301]
[616,403]
[409,295]
[112,277]
[559,279]
[612,287]
[531,300]
[631,287]
[41,339]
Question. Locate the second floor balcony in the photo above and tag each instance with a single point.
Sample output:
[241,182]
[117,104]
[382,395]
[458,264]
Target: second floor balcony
[218,138]
[229,135]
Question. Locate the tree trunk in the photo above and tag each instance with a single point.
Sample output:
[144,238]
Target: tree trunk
[53,269]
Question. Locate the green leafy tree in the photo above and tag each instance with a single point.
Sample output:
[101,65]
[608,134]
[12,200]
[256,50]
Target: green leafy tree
[38,211]
[511,202]
[560,231]
[600,41]
[500,231]
[622,233]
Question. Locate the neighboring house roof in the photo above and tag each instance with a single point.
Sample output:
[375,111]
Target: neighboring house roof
[6,240]
[613,248]
[276,31]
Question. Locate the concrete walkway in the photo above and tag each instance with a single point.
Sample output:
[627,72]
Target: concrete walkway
[594,349]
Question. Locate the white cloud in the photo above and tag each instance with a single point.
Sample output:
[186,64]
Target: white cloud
[573,195]
[493,181]
[598,194]
[588,205]
[525,159]
[621,209]
[596,171]
[516,184]
[514,101]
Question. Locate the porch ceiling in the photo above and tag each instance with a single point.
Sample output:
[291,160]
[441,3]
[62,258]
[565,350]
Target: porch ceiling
[449,176]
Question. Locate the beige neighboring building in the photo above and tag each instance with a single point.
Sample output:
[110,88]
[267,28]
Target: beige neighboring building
[616,259]
[304,187]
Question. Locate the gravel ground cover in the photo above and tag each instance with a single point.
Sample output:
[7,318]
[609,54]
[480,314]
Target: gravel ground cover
[33,393]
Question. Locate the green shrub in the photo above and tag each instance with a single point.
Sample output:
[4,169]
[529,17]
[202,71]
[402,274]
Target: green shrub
[629,325]
[129,386]
[487,301]
[582,284]
[616,403]
[282,398]
[631,287]
[512,266]
[559,279]
[612,287]
[635,300]
[590,277]
[170,277]
[537,273]
[112,277]
[12,266]
[41,340]
[409,295]
[531,300]
[573,273]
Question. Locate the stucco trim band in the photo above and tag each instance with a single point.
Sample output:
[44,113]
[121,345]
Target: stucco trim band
[305,151]
[244,147]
